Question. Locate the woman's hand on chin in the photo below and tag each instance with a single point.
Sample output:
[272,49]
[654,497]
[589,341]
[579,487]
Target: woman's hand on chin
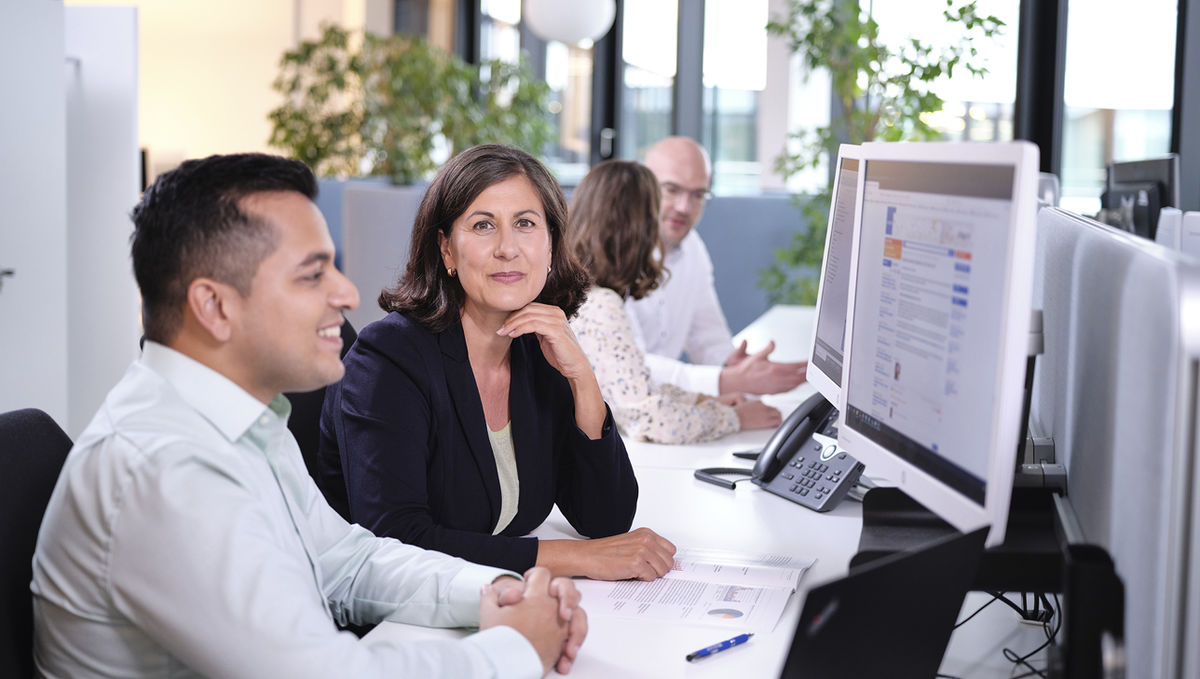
[559,346]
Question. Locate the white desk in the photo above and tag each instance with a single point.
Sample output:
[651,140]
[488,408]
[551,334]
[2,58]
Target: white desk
[694,514]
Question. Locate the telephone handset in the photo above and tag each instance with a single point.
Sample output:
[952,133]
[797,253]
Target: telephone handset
[795,465]
[797,429]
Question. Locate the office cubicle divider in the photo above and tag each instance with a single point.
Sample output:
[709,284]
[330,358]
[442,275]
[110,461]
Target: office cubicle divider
[1116,390]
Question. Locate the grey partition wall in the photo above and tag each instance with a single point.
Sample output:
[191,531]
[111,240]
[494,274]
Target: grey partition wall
[1116,390]
[742,234]
[376,228]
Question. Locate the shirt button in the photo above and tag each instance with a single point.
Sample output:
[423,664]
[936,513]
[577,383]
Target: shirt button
[264,420]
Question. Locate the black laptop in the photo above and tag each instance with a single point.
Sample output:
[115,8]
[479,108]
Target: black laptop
[891,617]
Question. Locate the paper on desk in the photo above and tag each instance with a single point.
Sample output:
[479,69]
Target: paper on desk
[708,587]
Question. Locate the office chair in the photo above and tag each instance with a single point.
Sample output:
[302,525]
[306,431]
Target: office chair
[305,421]
[32,450]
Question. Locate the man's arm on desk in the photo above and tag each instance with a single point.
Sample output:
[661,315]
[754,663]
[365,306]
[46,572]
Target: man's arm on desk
[746,373]
[383,579]
[218,586]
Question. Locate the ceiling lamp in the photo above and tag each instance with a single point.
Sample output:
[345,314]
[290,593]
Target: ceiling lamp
[569,22]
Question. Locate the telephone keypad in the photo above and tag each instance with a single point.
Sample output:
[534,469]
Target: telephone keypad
[823,475]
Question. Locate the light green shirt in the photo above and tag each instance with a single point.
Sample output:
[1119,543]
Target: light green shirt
[185,538]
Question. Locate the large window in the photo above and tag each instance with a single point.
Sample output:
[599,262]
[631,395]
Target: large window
[1119,91]
[735,75]
[750,92]
[648,51]
[499,35]
[567,69]
[975,108]
[569,74]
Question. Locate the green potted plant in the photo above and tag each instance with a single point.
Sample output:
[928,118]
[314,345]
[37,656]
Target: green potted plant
[391,109]
[396,105]
[882,92]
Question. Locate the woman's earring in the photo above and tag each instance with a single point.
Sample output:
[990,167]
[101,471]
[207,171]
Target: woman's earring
[547,270]
[452,271]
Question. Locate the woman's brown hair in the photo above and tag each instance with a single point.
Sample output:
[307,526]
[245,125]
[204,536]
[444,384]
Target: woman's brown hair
[614,227]
[429,295]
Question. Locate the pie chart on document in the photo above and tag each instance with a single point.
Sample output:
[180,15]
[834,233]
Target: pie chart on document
[726,613]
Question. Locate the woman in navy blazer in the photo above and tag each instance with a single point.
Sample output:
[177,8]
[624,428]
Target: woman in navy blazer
[470,409]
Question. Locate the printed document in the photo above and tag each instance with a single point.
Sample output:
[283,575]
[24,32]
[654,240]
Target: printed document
[710,587]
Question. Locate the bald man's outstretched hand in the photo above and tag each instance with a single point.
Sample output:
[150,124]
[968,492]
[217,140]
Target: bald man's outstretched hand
[757,374]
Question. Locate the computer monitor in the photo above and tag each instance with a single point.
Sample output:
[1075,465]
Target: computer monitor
[938,328]
[1139,189]
[829,331]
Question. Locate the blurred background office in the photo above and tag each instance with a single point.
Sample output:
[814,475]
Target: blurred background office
[100,101]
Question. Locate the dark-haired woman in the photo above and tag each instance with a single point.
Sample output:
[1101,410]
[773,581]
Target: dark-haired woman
[470,410]
[614,233]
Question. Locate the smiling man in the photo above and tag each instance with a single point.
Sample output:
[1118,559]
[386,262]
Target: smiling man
[683,315]
[185,538]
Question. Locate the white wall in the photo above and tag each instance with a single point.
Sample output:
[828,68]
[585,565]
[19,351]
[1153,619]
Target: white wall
[33,224]
[103,182]
[206,68]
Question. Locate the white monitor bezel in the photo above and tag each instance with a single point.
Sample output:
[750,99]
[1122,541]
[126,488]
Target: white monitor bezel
[817,377]
[958,510]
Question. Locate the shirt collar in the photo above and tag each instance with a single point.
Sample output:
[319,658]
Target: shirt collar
[676,251]
[227,406]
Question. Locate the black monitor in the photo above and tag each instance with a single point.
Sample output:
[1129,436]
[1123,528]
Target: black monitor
[1137,190]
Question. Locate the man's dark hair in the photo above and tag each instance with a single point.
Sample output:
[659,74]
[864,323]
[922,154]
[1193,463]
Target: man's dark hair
[429,295]
[189,225]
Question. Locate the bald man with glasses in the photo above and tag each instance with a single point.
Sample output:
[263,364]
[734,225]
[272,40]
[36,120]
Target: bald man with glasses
[683,316]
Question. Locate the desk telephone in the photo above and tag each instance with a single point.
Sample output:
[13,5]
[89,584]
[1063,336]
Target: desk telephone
[800,462]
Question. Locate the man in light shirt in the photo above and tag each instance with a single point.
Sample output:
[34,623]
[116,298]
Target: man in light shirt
[683,316]
[185,538]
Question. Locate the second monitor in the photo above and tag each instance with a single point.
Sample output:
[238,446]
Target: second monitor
[938,323]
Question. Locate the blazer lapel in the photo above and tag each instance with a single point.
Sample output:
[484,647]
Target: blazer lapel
[464,397]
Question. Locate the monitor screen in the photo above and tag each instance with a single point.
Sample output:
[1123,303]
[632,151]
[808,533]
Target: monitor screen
[829,332]
[1137,190]
[1163,171]
[1134,207]
[938,328]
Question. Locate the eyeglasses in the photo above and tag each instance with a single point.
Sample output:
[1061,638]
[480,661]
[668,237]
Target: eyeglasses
[672,192]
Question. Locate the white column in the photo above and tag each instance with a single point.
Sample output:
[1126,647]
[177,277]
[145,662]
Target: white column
[103,182]
[33,223]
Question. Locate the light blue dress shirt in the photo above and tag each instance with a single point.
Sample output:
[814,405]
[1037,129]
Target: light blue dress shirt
[185,538]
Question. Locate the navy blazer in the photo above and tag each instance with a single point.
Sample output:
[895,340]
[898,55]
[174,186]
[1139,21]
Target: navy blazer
[405,450]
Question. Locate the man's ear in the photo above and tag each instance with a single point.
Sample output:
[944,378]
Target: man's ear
[210,303]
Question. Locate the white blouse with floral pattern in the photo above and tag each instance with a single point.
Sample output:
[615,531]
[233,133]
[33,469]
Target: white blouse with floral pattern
[642,408]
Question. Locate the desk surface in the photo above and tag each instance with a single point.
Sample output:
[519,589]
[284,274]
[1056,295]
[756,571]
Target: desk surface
[694,514]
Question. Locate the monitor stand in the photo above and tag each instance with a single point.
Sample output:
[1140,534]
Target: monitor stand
[1029,560]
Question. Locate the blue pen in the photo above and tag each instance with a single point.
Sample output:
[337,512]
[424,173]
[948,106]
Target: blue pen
[717,648]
